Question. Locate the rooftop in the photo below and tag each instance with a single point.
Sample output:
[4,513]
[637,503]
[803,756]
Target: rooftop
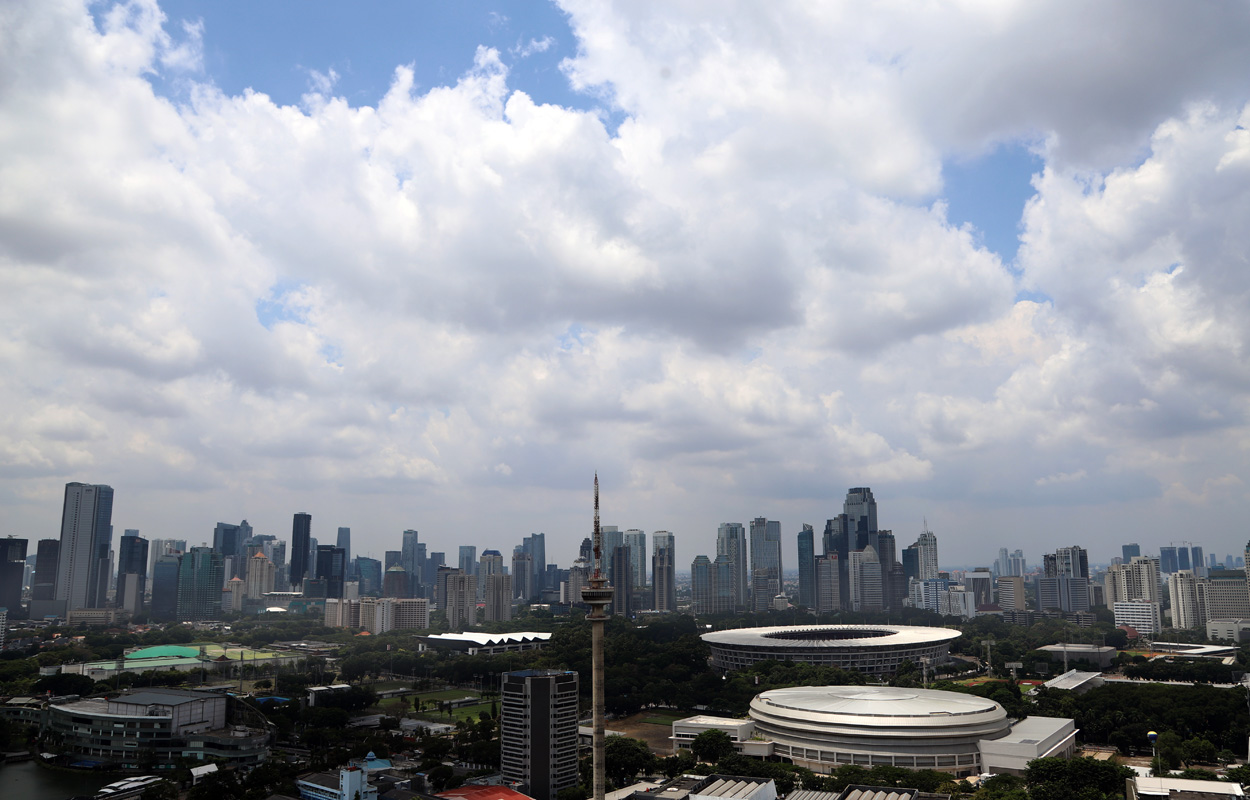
[824,636]
[168,697]
[877,701]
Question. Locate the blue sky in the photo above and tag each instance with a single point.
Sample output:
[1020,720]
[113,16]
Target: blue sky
[733,299]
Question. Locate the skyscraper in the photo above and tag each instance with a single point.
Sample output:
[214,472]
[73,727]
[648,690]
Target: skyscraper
[132,573]
[369,570]
[43,586]
[828,596]
[861,511]
[165,572]
[460,600]
[498,595]
[701,585]
[765,562]
[200,579]
[1130,550]
[228,539]
[538,731]
[1199,565]
[1168,562]
[467,560]
[536,545]
[636,541]
[807,567]
[86,534]
[622,579]
[301,533]
[612,538]
[837,541]
[331,569]
[344,542]
[926,543]
[12,575]
[261,573]
[723,585]
[522,574]
[663,572]
[731,542]
[412,561]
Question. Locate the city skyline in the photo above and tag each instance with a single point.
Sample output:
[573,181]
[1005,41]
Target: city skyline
[416,267]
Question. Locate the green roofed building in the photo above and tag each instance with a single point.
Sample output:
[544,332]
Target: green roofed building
[165,651]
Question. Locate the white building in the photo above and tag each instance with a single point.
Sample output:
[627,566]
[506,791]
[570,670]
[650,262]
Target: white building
[1145,617]
[1187,607]
[350,784]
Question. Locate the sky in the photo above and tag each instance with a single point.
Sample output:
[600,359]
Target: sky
[433,265]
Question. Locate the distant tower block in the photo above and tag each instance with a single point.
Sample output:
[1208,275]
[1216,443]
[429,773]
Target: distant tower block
[597,595]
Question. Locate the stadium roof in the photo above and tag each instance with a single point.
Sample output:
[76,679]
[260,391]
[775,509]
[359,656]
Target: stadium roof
[826,636]
[876,701]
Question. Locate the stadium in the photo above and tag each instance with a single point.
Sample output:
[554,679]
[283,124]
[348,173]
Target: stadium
[872,649]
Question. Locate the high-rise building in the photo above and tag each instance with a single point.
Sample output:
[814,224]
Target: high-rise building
[522,575]
[498,595]
[1063,592]
[440,586]
[301,534]
[622,580]
[911,562]
[1224,594]
[132,573]
[636,541]
[731,542]
[861,511]
[164,605]
[807,567]
[765,562]
[585,551]
[611,538]
[981,583]
[701,585]
[926,543]
[43,585]
[664,572]
[1187,608]
[1199,565]
[1070,561]
[468,559]
[536,545]
[12,575]
[460,591]
[866,589]
[392,557]
[723,601]
[1130,550]
[369,570]
[1011,596]
[228,539]
[200,574]
[1168,561]
[344,543]
[331,568]
[837,541]
[412,561]
[395,582]
[538,731]
[828,596]
[86,536]
[261,577]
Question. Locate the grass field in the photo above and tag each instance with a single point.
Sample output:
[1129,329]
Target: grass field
[663,718]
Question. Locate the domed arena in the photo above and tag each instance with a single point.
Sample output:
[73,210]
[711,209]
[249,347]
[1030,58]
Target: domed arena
[876,650]
[820,727]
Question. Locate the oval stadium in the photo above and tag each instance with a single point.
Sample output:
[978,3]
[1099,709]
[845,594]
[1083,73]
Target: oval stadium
[820,727]
[872,649]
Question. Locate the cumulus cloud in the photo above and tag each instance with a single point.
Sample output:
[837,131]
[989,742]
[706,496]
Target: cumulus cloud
[442,311]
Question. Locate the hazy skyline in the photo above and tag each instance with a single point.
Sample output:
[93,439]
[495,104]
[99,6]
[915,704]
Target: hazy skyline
[415,266]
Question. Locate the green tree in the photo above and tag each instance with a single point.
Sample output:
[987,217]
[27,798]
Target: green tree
[625,757]
[711,745]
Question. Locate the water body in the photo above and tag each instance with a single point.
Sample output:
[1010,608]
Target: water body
[26,779]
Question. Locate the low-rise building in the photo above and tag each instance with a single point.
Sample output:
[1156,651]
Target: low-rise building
[1229,630]
[1029,738]
[351,783]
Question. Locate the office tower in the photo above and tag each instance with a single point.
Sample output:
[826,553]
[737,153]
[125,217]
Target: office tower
[579,578]
[1224,595]
[86,535]
[301,533]
[132,573]
[911,562]
[331,569]
[1130,550]
[498,596]
[261,576]
[1199,565]
[622,581]
[981,583]
[43,585]
[1068,593]
[722,575]
[893,591]
[412,561]
[1017,564]
[1011,594]
[199,585]
[861,512]
[585,551]
[926,543]
[536,545]
[1071,561]
[491,563]
[460,595]
[369,571]
[522,575]
[866,589]
[765,562]
[664,572]
[1187,611]
[468,559]
[538,731]
[395,582]
[636,541]
[1168,561]
[392,557]
[827,595]
[429,573]
[807,567]
[731,542]
[1182,559]
[612,538]
[12,575]
[164,603]
[440,585]
[1138,580]
[344,542]
[228,539]
[701,585]
[1000,563]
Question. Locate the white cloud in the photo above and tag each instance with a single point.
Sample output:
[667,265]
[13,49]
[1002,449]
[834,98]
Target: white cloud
[445,310]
